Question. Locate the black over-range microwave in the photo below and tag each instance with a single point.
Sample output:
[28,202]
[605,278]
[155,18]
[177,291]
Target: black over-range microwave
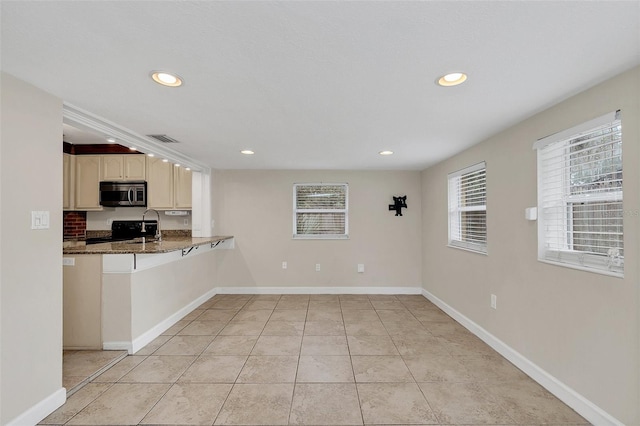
[123,194]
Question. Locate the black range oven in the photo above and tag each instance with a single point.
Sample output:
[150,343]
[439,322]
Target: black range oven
[123,230]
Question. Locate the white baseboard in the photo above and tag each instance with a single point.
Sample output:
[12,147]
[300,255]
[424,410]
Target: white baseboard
[318,290]
[41,410]
[118,346]
[573,399]
[149,335]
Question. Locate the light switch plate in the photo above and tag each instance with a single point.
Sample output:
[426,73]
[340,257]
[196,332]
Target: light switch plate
[40,219]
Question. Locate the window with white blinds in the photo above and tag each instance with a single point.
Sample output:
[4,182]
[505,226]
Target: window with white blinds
[320,211]
[468,208]
[580,214]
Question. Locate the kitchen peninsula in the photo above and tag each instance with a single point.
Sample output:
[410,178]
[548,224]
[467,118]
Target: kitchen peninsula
[122,295]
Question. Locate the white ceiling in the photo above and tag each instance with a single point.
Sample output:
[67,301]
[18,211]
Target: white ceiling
[318,85]
[74,135]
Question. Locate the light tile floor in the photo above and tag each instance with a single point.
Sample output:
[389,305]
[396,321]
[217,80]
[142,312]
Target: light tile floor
[80,367]
[314,360]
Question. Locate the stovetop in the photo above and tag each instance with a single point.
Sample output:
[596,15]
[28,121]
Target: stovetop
[123,230]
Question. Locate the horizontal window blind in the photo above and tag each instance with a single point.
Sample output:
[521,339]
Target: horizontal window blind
[320,211]
[580,197]
[468,208]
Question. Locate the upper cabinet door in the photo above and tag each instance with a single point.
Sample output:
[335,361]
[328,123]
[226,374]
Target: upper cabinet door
[112,167]
[135,167]
[182,185]
[159,184]
[123,167]
[87,179]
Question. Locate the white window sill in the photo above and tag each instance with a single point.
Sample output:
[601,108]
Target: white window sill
[584,268]
[484,252]
[320,237]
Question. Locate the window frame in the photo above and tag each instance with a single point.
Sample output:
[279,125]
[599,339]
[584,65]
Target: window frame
[455,210]
[297,210]
[607,264]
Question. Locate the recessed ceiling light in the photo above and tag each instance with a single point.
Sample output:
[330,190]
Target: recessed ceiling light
[133,148]
[166,79]
[188,168]
[164,160]
[150,155]
[111,140]
[247,152]
[385,152]
[452,79]
[177,165]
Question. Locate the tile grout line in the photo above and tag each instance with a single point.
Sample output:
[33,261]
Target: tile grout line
[79,411]
[295,377]
[355,383]
[174,383]
[192,363]
[94,375]
[408,369]
[238,375]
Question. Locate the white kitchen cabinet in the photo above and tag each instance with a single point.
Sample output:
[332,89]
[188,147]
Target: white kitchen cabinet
[87,182]
[182,187]
[168,186]
[160,192]
[123,167]
[68,173]
[112,167]
[135,167]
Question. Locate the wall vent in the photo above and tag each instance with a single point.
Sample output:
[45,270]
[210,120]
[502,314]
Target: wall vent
[164,138]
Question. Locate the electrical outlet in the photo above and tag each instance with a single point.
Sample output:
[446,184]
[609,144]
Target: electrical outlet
[360,268]
[494,301]
[284,265]
[186,221]
[317,267]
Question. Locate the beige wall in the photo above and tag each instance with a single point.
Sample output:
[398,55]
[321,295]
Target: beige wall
[160,292]
[580,327]
[134,303]
[1,259]
[256,207]
[31,266]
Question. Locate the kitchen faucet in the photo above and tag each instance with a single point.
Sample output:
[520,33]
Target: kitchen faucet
[158,235]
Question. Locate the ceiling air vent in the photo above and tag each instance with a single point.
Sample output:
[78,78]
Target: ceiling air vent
[164,138]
